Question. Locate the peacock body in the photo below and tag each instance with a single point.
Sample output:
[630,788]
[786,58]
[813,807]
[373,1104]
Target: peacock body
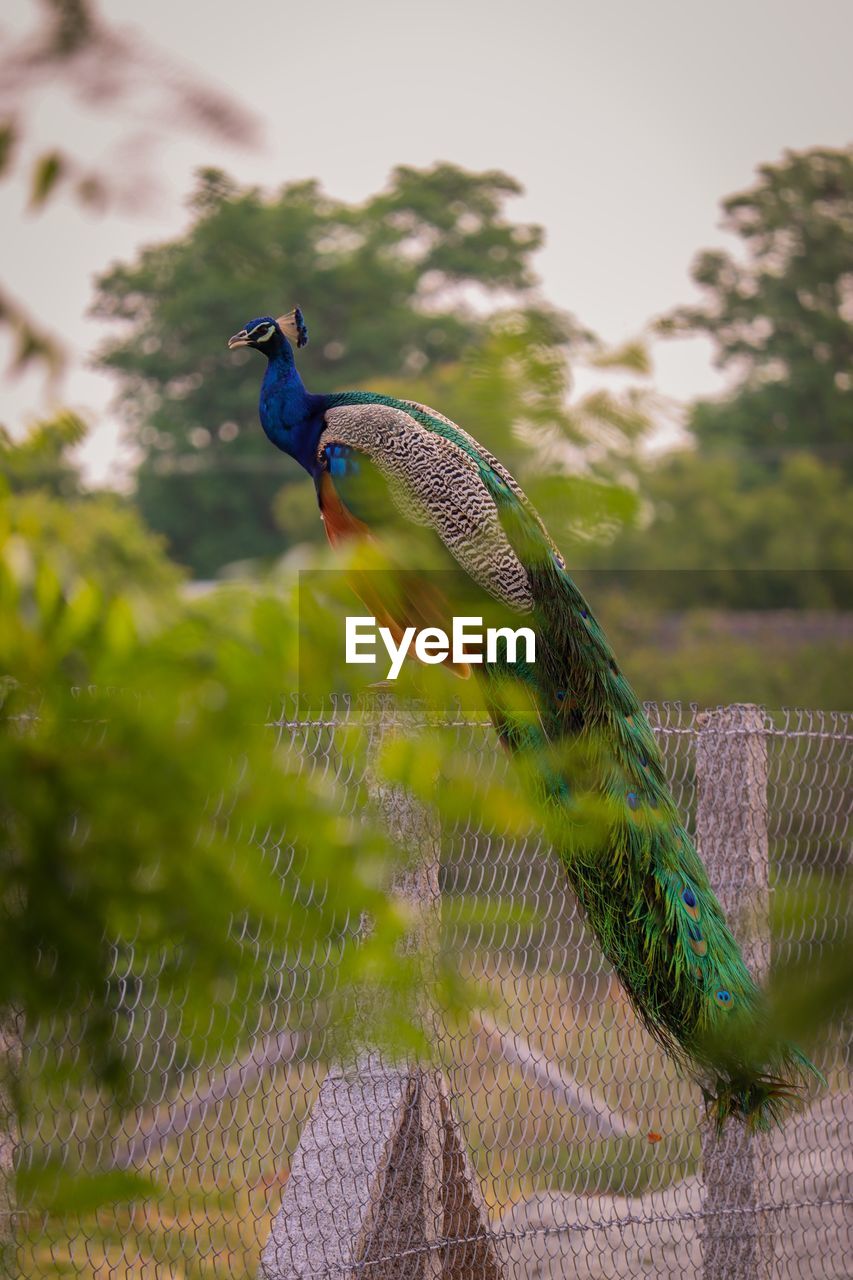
[642,885]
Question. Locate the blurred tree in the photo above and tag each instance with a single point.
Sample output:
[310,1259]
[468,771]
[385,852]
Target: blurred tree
[95,828]
[781,316]
[41,460]
[390,289]
[99,533]
[102,535]
[714,537]
[758,511]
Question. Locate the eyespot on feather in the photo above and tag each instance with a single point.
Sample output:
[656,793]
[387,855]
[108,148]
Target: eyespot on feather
[690,903]
[724,998]
[698,945]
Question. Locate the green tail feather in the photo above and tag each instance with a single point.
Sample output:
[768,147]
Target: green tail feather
[763,1100]
[631,863]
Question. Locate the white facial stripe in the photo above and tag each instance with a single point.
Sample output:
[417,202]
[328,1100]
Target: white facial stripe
[263,337]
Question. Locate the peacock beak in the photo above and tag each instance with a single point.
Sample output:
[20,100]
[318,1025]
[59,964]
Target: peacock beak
[240,339]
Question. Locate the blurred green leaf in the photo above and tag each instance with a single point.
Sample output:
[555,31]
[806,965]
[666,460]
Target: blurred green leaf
[128,810]
[48,171]
[8,138]
[29,342]
[632,357]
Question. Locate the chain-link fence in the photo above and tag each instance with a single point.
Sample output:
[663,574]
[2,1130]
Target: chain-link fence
[550,1136]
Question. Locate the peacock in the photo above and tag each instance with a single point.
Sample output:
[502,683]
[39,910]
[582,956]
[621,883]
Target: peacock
[642,886]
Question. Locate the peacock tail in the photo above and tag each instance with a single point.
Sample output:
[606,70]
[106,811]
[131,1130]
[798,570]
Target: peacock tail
[571,718]
[641,884]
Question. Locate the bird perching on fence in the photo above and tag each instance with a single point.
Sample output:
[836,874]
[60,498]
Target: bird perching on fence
[644,891]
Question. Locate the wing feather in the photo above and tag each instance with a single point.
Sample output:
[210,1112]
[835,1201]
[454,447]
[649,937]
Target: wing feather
[433,482]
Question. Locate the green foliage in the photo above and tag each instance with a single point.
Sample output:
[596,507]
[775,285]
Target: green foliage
[104,538]
[40,459]
[48,171]
[8,139]
[714,656]
[31,343]
[141,778]
[781,315]
[96,535]
[758,516]
[740,542]
[384,285]
[127,809]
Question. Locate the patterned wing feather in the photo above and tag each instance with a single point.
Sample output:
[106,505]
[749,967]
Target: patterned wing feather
[435,483]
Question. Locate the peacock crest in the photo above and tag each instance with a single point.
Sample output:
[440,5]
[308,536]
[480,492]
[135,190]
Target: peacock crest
[293,327]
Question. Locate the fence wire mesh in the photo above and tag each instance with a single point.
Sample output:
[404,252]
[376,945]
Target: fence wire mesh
[550,1136]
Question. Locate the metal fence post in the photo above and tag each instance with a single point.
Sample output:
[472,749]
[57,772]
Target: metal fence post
[380,1183]
[731,829]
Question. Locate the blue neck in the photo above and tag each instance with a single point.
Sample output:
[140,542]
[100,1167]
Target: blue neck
[291,418]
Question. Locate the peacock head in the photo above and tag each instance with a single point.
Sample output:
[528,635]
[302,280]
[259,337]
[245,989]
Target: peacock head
[269,335]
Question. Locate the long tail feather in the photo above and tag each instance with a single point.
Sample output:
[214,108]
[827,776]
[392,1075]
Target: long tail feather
[642,886]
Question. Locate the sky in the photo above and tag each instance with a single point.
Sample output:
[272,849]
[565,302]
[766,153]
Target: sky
[625,123]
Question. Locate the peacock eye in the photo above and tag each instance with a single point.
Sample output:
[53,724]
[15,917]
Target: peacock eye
[262,332]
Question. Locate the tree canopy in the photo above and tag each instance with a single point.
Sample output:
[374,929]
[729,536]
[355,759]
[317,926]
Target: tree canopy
[44,504]
[760,504]
[713,537]
[780,314]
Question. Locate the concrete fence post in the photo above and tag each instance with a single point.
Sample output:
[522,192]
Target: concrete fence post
[381,1179]
[731,829]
